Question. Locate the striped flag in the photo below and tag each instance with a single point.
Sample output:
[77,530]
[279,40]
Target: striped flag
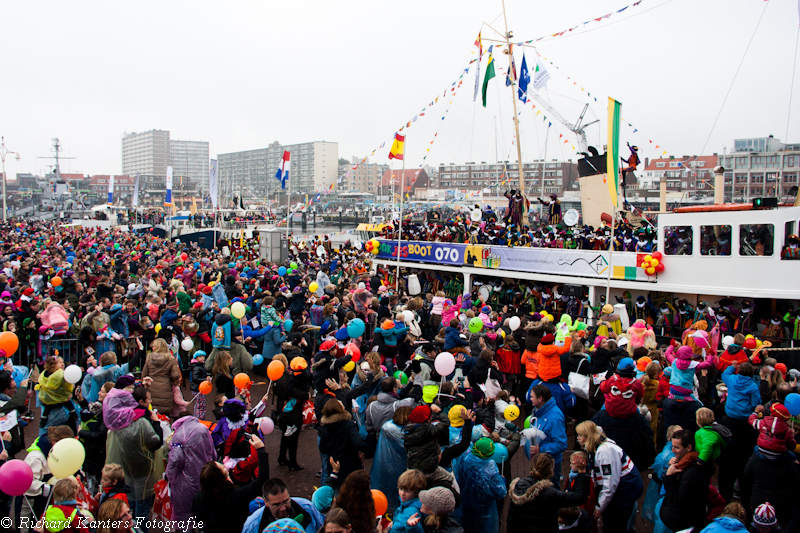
[396,152]
[612,153]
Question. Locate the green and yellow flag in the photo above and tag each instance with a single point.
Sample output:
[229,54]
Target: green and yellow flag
[612,152]
[488,76]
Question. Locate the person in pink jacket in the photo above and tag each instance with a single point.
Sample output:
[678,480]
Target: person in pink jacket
[450,310]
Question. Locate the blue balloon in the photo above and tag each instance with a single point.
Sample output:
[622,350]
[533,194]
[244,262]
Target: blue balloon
[70,259]
[196,264]
[287,325]
[500,453]
[258,359]
[356,328]
[282,271]
[792,403]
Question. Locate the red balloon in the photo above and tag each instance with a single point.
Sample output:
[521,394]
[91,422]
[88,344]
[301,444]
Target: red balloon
[750,344]
[184,256]
[353,349]
[660,267]
[657,255]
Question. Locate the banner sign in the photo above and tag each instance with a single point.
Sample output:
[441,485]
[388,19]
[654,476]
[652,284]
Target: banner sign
[212,182]
[584,263]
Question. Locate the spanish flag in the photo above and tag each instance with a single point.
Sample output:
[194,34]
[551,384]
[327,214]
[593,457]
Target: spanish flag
[397,147]
[612,153]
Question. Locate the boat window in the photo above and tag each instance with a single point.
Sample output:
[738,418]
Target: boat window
[715,240]
[678,240]
[756,239]
[791,243]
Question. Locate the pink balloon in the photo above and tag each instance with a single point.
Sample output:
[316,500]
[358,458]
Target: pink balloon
[15,477]
[267,425]
[700,339]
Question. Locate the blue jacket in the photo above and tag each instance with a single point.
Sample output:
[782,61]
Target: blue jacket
[561,393]
[743,394]
[168,317]
[103,374]
[119,322]
[550,420]
[221,332]
[391,336]
[251,525]
[725,524]
[403,513]
[452,338]
[273,343]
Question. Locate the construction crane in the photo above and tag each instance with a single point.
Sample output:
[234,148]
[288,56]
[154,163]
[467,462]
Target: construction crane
[577,128]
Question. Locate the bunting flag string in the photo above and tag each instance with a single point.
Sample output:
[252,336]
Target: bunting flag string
[634,130]
[582,26]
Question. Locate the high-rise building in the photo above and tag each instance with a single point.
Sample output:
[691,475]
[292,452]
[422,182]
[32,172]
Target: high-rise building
[761,167]
[313,167]
[147,153]
[558,176]
[189,159]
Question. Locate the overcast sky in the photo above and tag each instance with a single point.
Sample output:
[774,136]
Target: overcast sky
[243,74]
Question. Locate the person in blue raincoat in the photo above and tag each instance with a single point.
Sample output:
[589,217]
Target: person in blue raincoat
[549,420]
[481,486]
[390,457]
[374,361]
[651,507]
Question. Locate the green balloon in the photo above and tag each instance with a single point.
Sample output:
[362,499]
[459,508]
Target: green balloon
[527,423]
[401,376]
[290,271]
[475,325]
[293,265]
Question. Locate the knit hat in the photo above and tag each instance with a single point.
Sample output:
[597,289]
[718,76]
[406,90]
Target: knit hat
[420,414]
[323,498]
[387,324]
[765,515]
[642,362]
[608,309]
[440,500]
[625,363]
[782,368]
[548,339]
[486,309]
[455,416]
[28,292]
[284,525]
[598,340]
[483,448]
[298,364]
[477,395]
[124,381]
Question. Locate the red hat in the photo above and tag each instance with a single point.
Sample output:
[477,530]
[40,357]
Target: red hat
[420,414]
[779,410]
[206,290]
[28,292]
[197,305]
[327,345]
[782,368]
[201,287]
[548,339]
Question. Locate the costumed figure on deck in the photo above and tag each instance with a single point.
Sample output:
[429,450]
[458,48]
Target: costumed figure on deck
[630,164]
[517,204]
[553,209]
[641,335]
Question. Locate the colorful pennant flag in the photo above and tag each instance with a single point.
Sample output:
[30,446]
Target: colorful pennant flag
[396,152]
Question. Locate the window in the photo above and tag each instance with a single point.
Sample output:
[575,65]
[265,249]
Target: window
[756,239]
[758,162]
[791,160]
[673,164]
[715,240]
[678,240]
[660,165]
[741,162]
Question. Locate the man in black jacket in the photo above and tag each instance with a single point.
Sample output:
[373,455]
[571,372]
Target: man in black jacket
[686,483]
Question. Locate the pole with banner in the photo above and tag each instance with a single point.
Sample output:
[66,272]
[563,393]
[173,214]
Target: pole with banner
[111,190]
[612,177]
[213,186]
[397,152]
[168,196]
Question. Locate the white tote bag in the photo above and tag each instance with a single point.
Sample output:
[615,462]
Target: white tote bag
[579,383]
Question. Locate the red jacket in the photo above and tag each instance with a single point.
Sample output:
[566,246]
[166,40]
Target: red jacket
[622,395]
[774,434]
[663,388]
[732,355]
[507,361]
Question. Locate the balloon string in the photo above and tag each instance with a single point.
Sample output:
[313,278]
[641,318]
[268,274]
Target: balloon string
[193,399]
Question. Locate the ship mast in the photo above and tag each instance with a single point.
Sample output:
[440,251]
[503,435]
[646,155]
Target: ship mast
[513,86]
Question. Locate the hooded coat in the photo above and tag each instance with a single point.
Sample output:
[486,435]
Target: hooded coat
[481,485]
[422,442]
[190,450]
[163,369]
[340,439]
[535,504]
[681,381]
[743,394]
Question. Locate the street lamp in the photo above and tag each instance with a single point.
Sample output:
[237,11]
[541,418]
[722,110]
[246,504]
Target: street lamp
[3,152]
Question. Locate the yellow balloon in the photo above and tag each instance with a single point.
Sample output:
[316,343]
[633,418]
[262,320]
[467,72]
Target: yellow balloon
[511,413]
[66,457]
[651,271]
[238,310]
[648,258]
[349,366]
[158,327]
[654,262]
[313,286]
[212,283]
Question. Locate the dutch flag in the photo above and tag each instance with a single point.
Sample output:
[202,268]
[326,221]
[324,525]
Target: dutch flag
[283,171]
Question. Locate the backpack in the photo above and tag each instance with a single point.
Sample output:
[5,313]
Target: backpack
[56,521]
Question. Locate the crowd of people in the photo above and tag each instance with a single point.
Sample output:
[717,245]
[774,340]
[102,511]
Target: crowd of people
[435,389]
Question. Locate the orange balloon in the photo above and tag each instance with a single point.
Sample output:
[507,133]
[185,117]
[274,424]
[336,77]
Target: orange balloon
[205,388]
[241,380]
[381,503]
[9,342]
[275,370]
[55,282]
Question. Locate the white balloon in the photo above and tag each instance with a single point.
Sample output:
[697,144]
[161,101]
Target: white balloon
[187,344]
[408,315]
[72,374]
[513,323]
[727,340]
[267,425]
[444,363]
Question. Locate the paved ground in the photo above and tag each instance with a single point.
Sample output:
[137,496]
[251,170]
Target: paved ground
[303,483]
